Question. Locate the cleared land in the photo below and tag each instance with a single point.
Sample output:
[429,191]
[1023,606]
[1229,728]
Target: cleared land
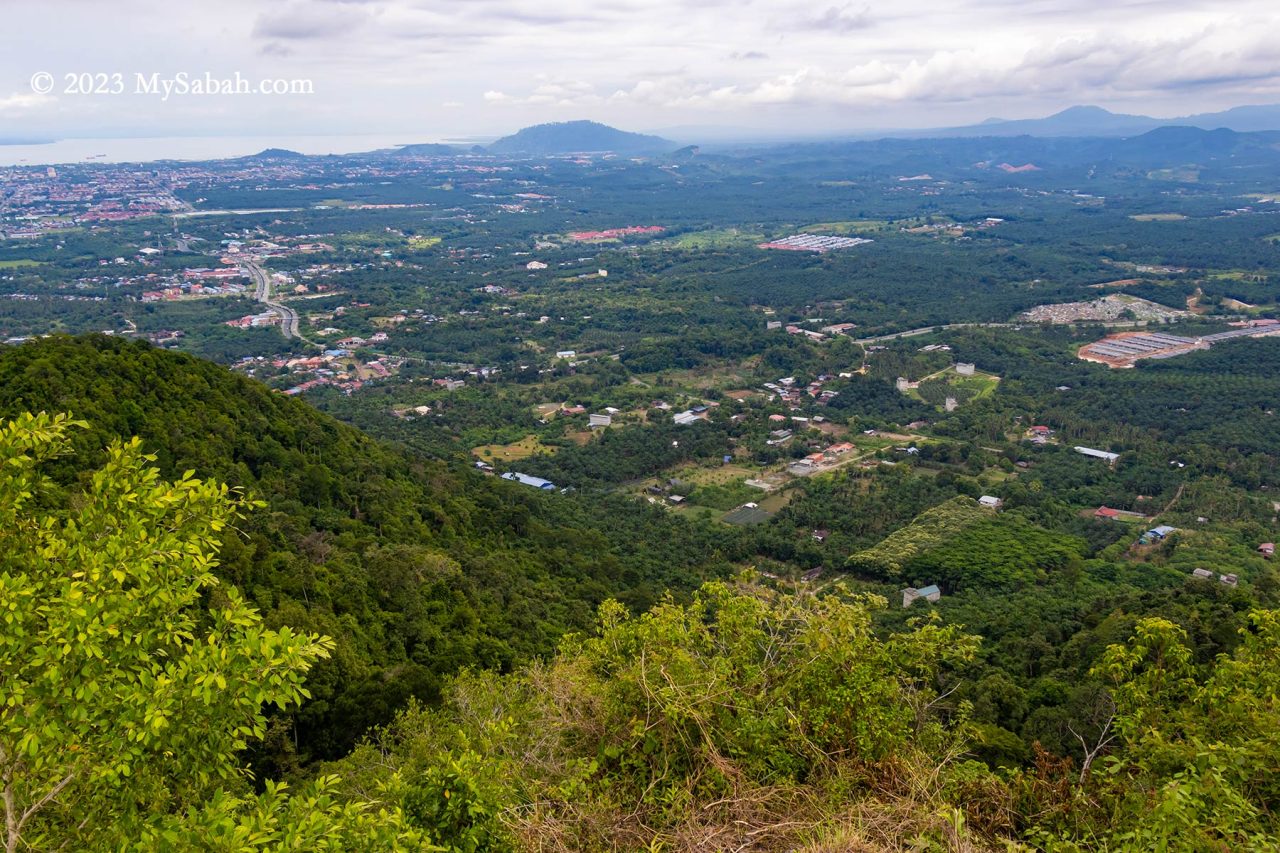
[1112,307]
[522,449]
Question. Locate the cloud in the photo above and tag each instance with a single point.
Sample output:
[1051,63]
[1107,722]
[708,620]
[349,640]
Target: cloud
[842,19]
[650,63]
[304,21]
[21,103]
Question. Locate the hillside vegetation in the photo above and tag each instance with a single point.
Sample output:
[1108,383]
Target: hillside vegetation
[415,569]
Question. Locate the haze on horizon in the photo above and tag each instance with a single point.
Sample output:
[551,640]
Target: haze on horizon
[432,70]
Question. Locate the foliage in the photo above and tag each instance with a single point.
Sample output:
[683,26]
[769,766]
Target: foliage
[124,703]
[734,704]
[890,558]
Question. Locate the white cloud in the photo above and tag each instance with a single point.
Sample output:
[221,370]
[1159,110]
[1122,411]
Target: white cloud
[21,103]
[382,64]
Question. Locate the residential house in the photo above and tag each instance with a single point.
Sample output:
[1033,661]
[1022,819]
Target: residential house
[928,593]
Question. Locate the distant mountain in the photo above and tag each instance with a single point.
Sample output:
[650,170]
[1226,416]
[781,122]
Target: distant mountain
[1173,145]
[275,154]
[426,149]
[579,136]
[1096,121]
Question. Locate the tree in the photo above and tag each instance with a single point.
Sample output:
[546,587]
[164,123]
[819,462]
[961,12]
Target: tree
[123,702]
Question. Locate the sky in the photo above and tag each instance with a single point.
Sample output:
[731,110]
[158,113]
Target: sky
[432,70]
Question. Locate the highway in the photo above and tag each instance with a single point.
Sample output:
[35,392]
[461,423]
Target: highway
[927,329]
[262,293]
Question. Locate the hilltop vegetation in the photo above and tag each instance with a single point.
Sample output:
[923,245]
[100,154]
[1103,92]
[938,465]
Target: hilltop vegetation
[744,718]
[415,569]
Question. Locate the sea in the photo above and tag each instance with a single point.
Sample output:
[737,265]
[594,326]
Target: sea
[154,148]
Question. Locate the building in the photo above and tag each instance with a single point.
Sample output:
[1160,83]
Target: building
[991,502]
[594,421]
[685,418]
[964,368]
[928,593]
[1202,574]
[536,482]
[1158,534]
[1098,454]
[1267,549]
[535,265]
[1229,580]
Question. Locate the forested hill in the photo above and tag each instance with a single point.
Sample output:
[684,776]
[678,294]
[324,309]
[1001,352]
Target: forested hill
[414,568]
[570,136]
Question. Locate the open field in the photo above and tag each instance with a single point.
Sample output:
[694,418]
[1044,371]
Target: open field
[715,238]
[20,262]
[719,475]
[1183,174]
[423,242]
[522,449]
[746,515]
[1157,217]
[981,384]
[852,226]
[777,500]
[580,437]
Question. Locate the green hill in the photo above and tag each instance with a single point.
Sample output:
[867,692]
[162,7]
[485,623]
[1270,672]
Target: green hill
[571,136]
[415,568]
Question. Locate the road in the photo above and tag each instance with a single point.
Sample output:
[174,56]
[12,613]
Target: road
[927,329]
[1106,324]
[262,293]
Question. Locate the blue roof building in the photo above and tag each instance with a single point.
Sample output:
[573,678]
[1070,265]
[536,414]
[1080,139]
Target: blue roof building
[536,482]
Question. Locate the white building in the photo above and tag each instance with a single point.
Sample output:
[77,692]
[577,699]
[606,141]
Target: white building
[1097,454]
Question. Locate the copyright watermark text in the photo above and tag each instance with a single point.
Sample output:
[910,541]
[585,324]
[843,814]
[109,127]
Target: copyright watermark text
[181,84]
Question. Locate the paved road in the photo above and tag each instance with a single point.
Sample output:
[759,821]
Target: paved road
[262,293]
[1028,324]
[927,329]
